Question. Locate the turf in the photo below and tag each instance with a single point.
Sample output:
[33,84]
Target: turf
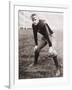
[45,67]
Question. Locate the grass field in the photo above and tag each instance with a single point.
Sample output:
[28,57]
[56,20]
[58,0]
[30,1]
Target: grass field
[45,67]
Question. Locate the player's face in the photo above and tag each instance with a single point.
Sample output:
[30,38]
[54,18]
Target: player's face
[35,20]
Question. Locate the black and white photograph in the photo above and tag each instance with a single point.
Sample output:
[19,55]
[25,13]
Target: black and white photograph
[40,39]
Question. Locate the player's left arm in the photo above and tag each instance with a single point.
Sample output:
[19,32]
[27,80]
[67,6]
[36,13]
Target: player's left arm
[48,38]
[50,31]
[47,35]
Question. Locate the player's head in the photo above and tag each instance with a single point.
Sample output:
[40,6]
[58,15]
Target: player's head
[35,19]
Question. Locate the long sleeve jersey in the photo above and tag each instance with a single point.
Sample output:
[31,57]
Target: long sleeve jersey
[44,29]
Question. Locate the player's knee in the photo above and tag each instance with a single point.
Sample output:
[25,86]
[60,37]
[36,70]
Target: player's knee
[37,50]
[54,53]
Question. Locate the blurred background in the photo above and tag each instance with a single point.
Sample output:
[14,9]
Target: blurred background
[55,20]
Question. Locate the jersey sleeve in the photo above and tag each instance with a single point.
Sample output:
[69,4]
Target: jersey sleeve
[35,35]
[46,35]
[49,29]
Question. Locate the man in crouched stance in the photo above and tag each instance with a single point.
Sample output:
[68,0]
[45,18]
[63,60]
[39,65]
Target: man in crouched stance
[40,26]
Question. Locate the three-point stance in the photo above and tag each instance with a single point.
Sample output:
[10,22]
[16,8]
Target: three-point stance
[40,26]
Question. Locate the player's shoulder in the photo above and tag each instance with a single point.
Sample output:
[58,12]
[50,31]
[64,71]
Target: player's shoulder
[33,25]
[43,22]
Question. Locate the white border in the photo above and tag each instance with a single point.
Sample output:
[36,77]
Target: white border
[14,81]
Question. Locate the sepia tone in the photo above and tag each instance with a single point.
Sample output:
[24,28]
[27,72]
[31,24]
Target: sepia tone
[45,67]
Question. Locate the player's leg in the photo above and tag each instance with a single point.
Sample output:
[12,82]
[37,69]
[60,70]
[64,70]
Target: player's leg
[57,66]
[42,43]
[54,55]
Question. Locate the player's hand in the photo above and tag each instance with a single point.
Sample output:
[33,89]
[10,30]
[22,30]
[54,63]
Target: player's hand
[52,35]
[50,50]
[35,48]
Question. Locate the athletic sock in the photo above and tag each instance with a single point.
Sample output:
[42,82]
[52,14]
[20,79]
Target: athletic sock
[56,61]
[36,57]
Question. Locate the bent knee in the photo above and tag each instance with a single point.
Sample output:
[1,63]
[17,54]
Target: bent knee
[37,50]
[53,53]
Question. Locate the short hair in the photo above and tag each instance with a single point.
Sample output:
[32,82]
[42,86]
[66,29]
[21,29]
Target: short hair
[34,14]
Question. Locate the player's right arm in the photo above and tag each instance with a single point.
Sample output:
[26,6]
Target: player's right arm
[35,38]
[35,35]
